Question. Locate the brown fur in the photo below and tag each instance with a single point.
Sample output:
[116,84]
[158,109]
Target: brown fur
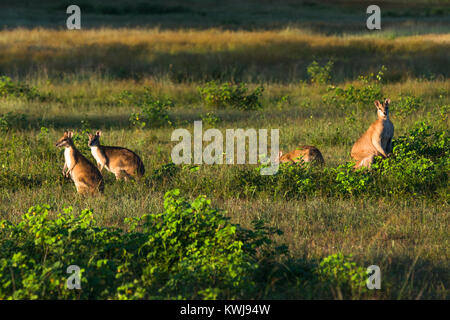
[303,153]
[123,162]
[85,175]
[377,140]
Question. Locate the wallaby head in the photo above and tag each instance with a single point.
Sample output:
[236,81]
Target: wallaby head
[65,140]
[94,140]
[383,108]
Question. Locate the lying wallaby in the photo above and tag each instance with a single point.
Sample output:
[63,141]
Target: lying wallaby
[377,140]
[303,153]
[120,161]
[85,175]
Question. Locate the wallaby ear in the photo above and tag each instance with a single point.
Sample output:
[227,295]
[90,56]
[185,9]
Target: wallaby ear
[65,133]
[70,134]
[377,104]
[387,101]
[89,134]
[99,133]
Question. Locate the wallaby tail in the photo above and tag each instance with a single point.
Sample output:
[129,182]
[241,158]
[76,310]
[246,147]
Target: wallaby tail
[141,169]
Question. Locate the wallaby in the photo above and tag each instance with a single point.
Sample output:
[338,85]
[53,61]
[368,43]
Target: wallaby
[377,140]
[302,153]
[122,162]
[85,175]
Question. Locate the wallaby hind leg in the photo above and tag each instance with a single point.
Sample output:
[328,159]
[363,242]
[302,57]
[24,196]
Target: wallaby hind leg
[122,174]
[82,189]
[134,174]
[365,162]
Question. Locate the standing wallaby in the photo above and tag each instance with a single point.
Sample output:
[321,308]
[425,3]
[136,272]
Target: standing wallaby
[302,153]
[377,140]
[85,175]
[120,161]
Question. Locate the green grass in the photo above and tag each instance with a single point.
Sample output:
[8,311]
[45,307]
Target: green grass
[405,235]
[99,79]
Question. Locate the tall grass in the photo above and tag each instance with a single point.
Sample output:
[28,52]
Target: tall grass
[192,55]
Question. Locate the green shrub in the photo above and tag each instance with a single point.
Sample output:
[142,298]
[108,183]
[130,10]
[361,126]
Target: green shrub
[420,164]
[370,90]
[191,250]
[154,112]
[210,118]
[341,274]
[405,105]
[164,173]
[12,120]
[318,74]
[9,88]
[230,95]
[350,181]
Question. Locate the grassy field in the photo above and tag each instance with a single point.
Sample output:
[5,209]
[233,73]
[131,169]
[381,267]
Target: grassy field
[92,81]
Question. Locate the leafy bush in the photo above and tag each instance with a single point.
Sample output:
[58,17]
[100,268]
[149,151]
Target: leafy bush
[210,118]
[318,74]
[10,120]
[420,164]
[165,172]
[189,251]
[342,275]
[230,95]
[350,181]
[9,88]
[370,90]
[406,105]
[154,111]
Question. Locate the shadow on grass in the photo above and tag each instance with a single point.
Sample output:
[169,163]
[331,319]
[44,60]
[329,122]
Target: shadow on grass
[281,61]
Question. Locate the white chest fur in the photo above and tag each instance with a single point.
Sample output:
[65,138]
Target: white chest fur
[68,158]
[98,156]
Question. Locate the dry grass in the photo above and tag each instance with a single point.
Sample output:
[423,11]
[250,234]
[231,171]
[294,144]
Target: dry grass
[229,55]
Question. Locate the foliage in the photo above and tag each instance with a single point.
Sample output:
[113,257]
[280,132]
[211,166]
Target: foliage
[318,74]
[10,120]
[342,275]
[9,88]
[191,250]
[369,91]
[210,118]
[165,172]
[230,95]
[420,163]
[350,181]
[154,111]
[405,105]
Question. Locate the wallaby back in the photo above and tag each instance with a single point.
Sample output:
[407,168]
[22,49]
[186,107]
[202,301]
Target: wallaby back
[123,162]
[305,154]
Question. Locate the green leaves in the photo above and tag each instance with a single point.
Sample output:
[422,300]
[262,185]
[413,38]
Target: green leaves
[318,74]
[190,250]
[341,274]
[154,111]
[9,88]
[405,105]
[369,91]
[228,95]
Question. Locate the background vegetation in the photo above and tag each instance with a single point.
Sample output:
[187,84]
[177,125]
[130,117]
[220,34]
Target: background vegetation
[139,71]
